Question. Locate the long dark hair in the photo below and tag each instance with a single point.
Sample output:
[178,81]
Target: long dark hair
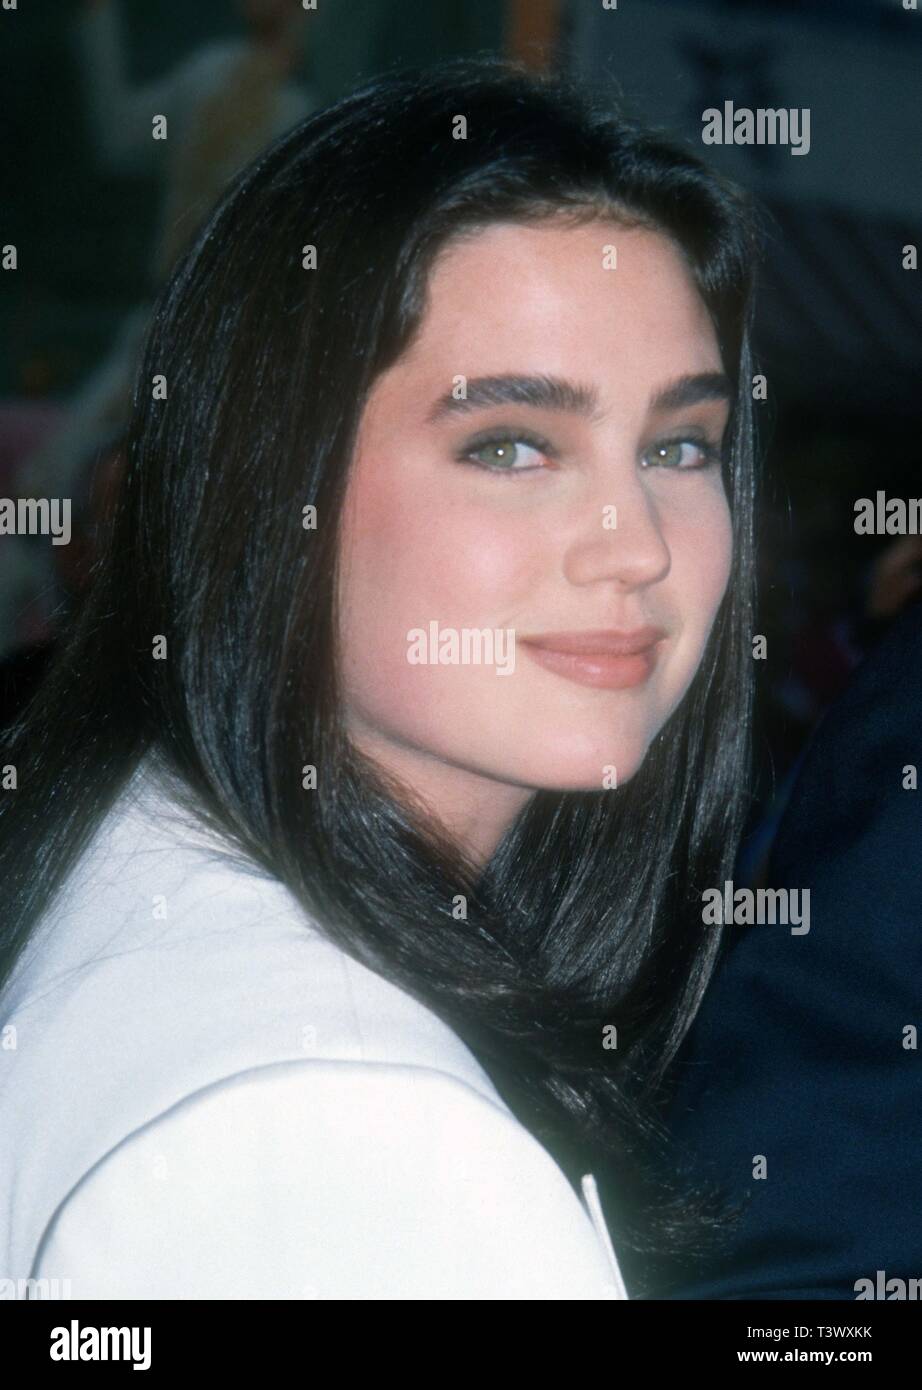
[589,912]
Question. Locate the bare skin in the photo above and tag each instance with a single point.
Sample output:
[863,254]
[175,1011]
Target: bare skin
[513,536]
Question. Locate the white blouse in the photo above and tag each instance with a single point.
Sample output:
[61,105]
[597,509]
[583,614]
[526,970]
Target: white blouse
[202,1097]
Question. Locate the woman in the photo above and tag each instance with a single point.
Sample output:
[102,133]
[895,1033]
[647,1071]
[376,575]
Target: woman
[337,937]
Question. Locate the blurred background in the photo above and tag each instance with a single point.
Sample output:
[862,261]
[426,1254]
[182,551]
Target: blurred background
[98,211]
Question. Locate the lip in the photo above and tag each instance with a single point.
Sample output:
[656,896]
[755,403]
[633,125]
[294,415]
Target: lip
[599,642]
[606,659]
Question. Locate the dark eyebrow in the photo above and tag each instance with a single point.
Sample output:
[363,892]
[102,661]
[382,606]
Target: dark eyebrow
[692,390]
[555,393]
[546,392]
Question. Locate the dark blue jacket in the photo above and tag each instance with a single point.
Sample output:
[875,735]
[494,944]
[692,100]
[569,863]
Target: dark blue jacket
[798,1053]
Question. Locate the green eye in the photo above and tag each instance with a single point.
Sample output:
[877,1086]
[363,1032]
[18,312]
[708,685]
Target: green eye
[507,453]
[501,453]
[668,454]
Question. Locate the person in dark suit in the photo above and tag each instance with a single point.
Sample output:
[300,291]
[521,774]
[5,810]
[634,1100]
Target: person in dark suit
[799,1088]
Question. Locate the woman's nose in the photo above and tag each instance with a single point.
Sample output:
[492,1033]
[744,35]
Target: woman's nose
[622,540]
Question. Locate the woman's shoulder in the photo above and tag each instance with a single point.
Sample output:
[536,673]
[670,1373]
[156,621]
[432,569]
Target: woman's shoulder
[164,970]
[328,1180]
[165,935]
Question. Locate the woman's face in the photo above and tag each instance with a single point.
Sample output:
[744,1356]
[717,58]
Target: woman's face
[530,509]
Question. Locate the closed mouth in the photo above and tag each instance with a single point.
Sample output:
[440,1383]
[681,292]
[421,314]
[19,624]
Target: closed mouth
[607,642]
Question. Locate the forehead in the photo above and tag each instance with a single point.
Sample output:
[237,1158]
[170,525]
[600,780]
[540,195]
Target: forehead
[550,289]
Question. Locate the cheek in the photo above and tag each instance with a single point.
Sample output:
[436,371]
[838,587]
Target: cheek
[411,556]
[702,555]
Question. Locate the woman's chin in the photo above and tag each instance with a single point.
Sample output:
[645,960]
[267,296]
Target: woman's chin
[604,772]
